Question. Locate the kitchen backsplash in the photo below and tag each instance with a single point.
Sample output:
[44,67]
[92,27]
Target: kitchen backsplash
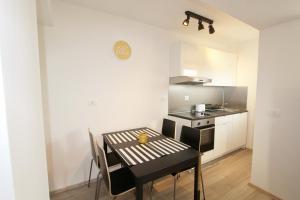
[235,97]
[184,97]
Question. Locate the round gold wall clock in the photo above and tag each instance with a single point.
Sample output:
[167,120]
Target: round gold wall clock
[122,50]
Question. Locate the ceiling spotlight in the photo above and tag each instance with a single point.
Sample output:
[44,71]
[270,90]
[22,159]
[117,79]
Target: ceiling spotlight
[211,29]
[200,19]
[200,25]
[186,21]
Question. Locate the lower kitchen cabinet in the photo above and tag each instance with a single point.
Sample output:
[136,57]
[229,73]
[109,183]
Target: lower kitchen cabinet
[230,135]
[238,135]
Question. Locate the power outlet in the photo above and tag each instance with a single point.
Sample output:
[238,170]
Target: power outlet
[274,113]
[186,98]
[92,102]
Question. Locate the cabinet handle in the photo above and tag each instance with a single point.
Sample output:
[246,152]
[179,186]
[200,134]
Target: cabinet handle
[206,129]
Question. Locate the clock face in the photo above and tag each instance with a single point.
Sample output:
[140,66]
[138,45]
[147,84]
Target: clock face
[122,50]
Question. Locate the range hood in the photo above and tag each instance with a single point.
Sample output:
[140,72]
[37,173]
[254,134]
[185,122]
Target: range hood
[189,80]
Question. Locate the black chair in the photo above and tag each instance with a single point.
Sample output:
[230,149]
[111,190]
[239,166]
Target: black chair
[168,128]
[191,137]
[112,158]
[117,182]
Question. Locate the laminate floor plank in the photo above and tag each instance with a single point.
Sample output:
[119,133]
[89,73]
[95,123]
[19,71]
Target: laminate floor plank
[225,179]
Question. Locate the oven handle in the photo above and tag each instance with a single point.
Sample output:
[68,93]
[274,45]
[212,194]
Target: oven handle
[207,128]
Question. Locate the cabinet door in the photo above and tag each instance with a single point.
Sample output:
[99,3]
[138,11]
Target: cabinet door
[230,134]
[239,130]
[222,67]
[221,132]
[192,60]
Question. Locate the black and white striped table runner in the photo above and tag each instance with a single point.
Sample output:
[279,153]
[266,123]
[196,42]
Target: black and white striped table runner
[128,136]
[141,153]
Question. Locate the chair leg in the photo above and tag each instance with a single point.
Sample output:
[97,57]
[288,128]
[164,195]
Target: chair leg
[202,183]
[99,190]
[174,192]
[151,186]
[98,187]
[91,167]
[150,190]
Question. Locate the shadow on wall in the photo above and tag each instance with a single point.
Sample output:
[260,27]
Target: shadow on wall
[77,139]
[284,132]
[46,114]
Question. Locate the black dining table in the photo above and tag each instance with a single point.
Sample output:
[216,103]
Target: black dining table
[168,156]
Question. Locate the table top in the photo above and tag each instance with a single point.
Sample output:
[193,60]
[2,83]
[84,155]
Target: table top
[172,155]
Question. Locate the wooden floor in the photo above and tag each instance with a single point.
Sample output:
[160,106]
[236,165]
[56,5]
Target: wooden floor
[226,179]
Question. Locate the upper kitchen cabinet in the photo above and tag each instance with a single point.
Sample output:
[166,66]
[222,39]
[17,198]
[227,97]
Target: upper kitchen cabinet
[193,60]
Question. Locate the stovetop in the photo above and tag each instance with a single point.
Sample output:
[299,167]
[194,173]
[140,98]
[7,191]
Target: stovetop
[192,115]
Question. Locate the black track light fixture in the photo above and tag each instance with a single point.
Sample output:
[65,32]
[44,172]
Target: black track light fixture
[211,29]
[200,25]
[200,19]
[186,21]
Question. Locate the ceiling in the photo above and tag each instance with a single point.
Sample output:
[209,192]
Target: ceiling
[169,14]
[259,13]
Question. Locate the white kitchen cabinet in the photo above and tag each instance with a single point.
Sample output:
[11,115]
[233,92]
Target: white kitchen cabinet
[235,128]
[222,130]
[223,127]
[239,130]
[193,60]
[222,67]
[230,135]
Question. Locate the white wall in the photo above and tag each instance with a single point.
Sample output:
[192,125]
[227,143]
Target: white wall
[21,125]
[276,149]
[6,176]
[78,65]
[247,76]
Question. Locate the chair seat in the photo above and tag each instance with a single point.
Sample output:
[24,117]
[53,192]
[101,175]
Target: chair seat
[112,159]
[121,181]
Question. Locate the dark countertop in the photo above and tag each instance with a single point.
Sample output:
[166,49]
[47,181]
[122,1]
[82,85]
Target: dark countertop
[208,114]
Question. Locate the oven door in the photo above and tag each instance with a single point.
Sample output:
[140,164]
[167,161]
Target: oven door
[207,141]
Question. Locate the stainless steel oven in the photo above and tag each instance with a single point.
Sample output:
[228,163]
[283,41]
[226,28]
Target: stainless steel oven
[207,133]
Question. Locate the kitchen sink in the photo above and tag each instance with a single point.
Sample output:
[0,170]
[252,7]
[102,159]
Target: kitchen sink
[231,109]
[223,111]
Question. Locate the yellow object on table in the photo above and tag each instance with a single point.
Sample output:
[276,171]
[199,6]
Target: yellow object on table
[143,138]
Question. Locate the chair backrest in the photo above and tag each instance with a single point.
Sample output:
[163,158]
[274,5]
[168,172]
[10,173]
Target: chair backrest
[168,128]
[92,143]
[104,168]
[190,136]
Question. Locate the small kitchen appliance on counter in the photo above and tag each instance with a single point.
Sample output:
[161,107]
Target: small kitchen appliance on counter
[200,107]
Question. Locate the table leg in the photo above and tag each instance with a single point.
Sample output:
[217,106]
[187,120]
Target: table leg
[139,191]
[196,189]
